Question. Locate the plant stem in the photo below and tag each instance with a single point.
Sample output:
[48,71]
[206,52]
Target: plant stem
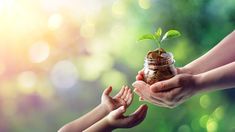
[158,43]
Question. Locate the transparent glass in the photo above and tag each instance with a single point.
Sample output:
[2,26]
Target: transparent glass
[159,69]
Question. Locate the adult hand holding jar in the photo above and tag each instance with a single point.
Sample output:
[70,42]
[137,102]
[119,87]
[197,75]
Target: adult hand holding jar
[203,74]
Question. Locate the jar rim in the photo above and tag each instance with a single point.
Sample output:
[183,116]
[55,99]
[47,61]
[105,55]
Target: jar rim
[173,62]
[170,57]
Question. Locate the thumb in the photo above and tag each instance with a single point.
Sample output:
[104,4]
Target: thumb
[107,91]
[139,84]
[118,112]
[165,85]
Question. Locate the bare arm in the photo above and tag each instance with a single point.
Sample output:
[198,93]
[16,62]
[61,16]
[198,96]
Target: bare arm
[108,104]
[219,78]
[221,54]
[100,126]
[214,70]
[176,90]
[86,120]
[116,119]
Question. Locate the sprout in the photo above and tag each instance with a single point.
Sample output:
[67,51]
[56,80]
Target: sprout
[157,36]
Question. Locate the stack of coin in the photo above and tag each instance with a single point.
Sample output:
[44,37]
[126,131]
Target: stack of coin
[159,65]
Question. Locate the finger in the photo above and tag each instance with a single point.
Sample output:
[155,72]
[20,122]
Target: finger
[146,94]
[139,78]
[141,99]
[138,92]
[168,98]
[119,94]
[125,92]
[141,72]
[140,110]
[118,112]
[137,117]
[129,101]
[179,70]
[157,102]
[128,95]
[140,84]
[107,91]
[165,85]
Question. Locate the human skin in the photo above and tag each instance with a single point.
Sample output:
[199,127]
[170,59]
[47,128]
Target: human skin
[116,119]
[213,71]
[108,104]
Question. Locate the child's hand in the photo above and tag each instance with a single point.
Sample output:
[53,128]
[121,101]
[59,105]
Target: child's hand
[116,119]
[123,98]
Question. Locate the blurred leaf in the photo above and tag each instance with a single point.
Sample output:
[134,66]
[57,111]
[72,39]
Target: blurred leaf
[170,34]
[147,36]
[158,33]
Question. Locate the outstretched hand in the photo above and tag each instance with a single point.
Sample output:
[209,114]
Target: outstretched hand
[168,93]
[122,98]
[116,119]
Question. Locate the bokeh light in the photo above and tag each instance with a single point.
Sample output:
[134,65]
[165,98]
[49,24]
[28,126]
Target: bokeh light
[39,52]
[219,113]
[212,126]
[87,29]
[57,56]
[205,101]
[64,75]
[119,8]
[27,79]
[55,21]
[145,4]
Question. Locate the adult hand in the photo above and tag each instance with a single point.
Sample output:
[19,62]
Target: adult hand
[168,93]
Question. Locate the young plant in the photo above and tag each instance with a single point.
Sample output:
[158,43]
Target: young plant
[157,36]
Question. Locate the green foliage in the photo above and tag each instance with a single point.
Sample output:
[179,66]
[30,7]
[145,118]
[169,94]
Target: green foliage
[147,36]
[170,34]
[157,36]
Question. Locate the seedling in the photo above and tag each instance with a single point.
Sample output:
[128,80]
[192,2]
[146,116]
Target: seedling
[157,36]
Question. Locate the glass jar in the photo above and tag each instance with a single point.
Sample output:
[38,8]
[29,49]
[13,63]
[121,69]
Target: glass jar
[159,69]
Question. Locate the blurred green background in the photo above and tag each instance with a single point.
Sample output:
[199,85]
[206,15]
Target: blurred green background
[57,56]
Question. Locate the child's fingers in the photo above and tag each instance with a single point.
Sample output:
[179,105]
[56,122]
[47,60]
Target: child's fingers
[118,112]
[125,92]
[130,99]
[137,117]
[119,94]
[107,91]
[141,110]
[128,94]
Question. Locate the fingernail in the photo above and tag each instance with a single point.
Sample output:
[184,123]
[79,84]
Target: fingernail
[122,108]
[136,90]
[141,99]
[133,84]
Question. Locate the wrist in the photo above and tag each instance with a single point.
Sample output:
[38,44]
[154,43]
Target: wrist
[186,69]
[199,83]
[105,108]
[108,124]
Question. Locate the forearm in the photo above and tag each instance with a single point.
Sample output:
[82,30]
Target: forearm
[86,121]
[219,78]
[101,126]
[221,54]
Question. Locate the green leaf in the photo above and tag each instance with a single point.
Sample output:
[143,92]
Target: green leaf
[147,36]
[170,34]
[158,33]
